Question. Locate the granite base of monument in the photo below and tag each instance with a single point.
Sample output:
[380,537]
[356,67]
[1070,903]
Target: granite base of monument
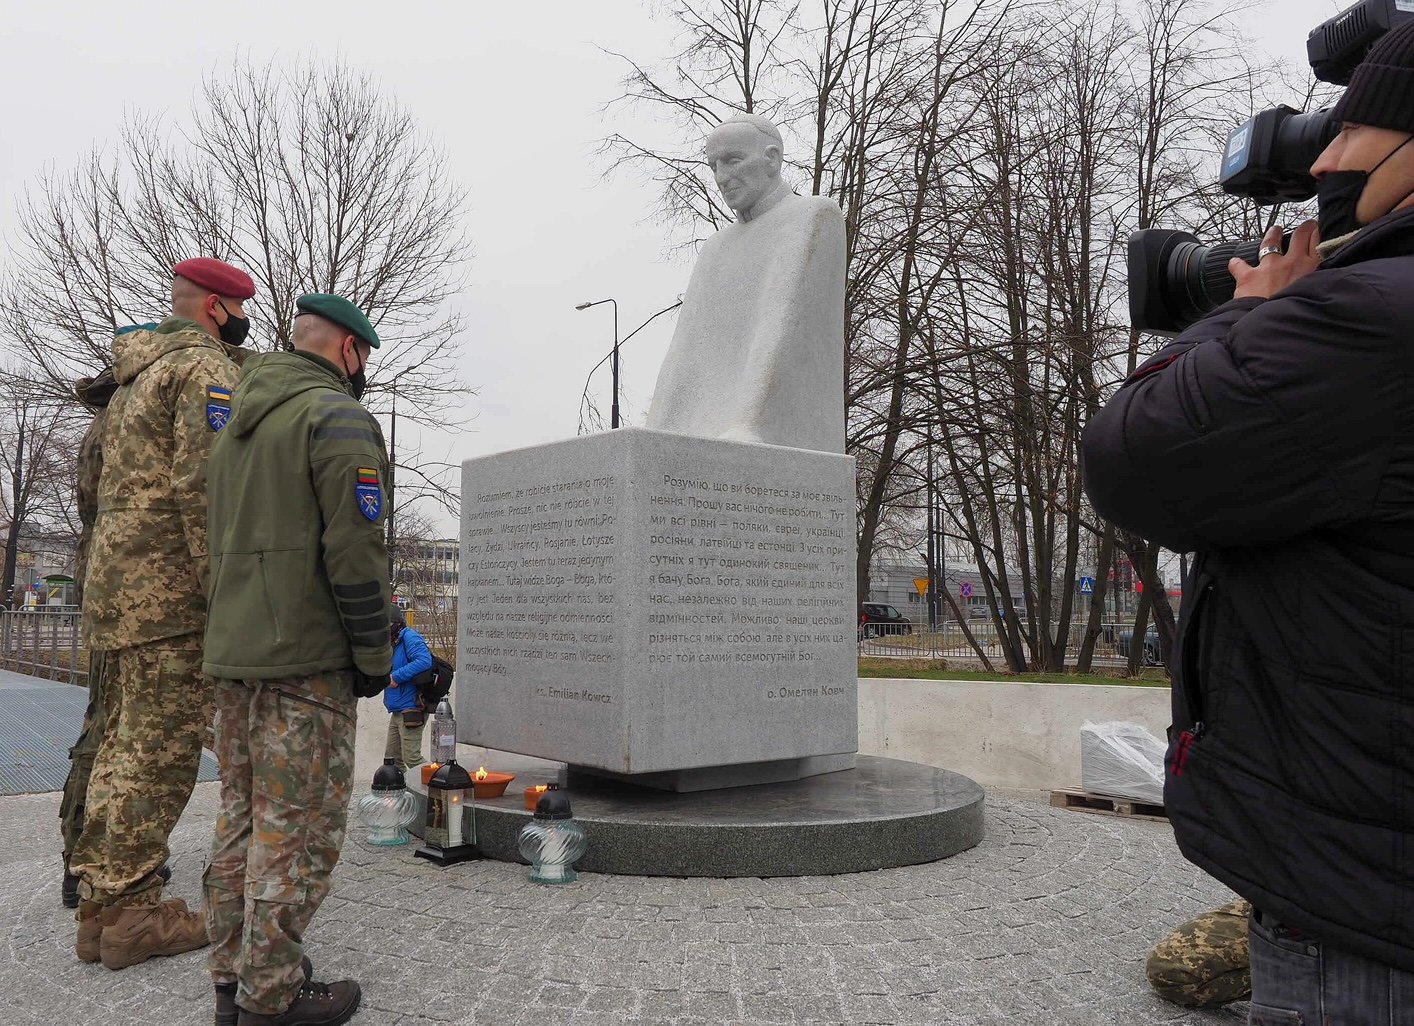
[882,814]
[675,610]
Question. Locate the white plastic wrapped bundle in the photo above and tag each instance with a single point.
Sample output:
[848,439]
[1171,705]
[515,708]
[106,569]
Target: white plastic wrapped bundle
[1122,760]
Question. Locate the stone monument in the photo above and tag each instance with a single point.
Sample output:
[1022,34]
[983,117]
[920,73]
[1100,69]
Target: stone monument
[676,605]
[758,354]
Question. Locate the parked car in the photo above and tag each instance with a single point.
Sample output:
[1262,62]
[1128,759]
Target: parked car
[1152,653]
[877,619]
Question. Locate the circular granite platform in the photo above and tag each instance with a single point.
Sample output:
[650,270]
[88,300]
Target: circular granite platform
[882,814]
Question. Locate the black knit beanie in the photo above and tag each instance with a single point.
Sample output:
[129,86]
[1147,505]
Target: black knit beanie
[1381,92]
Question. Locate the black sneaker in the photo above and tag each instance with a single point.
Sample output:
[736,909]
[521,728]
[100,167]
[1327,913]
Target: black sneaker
[316,1004]
[227,1014]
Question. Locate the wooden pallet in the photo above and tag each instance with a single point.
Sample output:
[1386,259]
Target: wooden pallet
[1104,805]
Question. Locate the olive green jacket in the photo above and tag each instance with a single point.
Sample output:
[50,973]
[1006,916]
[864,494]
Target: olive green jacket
[296,500]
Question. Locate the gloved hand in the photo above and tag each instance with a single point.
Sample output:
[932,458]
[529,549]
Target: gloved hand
[367,685]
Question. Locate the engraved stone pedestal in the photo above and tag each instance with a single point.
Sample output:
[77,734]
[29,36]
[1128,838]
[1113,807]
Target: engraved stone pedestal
[678,611]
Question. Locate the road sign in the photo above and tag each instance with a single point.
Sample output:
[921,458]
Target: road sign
[966,589]
[1087,585]
[921,583]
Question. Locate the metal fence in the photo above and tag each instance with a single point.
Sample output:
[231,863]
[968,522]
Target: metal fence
[909,641]
[43,643]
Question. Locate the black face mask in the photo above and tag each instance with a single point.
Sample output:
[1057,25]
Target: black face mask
[235,330]
[1338,194]
[358,380]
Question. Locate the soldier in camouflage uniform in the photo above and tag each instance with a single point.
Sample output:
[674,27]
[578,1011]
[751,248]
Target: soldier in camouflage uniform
[144,607]
[298,631]
[1206,960]
[94,393]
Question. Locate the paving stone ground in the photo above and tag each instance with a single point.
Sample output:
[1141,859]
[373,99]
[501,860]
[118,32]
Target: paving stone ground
[1046,922]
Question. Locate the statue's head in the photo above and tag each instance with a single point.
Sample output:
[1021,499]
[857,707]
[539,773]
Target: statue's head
[744,153]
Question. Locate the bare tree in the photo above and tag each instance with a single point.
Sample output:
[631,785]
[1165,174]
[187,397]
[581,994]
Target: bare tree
[307,176]
[424,576]
[38,444]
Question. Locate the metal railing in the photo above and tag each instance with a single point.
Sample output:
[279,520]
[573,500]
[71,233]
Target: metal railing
[43,643]
[916,641]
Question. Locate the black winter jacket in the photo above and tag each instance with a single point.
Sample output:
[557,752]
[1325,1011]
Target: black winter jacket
[1276,439]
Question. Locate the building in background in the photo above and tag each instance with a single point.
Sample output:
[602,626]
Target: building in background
[44,570]
[426,582]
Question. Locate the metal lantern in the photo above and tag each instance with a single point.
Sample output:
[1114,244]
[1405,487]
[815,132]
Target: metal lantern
[552,842]
[449,833]
[389,809]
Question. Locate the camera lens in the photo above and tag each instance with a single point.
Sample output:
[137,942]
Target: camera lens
[1174,279]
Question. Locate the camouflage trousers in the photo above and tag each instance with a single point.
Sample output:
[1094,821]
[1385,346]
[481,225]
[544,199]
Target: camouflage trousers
[286,749]
[156,706]
[73,808]
[1206,961]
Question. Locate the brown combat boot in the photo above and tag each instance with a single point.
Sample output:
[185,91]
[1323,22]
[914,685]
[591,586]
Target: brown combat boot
[90,920]
[227,1014]
[135,933]
[316,1004]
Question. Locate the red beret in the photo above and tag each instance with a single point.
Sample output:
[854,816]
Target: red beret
[221,278]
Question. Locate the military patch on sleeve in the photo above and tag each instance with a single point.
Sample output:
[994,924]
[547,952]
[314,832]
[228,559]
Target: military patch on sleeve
[218,406]
[370,495]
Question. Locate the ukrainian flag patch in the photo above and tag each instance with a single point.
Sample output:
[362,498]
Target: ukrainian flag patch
[218,406]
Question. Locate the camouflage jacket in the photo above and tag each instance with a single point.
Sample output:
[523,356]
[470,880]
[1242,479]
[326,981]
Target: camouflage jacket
[298,501]
[95,393]
[147,568]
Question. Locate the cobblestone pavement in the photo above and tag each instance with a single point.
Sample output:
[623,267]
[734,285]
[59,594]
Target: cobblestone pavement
[1046,922]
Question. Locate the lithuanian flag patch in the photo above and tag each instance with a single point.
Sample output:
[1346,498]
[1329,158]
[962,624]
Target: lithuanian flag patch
[368,493]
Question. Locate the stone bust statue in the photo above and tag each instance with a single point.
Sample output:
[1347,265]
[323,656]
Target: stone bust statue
[758,354]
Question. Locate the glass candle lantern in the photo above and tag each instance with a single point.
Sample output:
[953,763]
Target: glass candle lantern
[389,809]
[449,834]
[552,842]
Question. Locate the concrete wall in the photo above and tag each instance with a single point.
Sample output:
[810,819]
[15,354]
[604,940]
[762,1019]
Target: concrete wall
[999,734]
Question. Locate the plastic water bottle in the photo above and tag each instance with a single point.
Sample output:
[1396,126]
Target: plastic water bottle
[444,734]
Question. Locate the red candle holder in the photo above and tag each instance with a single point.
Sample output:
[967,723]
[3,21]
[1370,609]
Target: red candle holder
[490,785]
[534,793]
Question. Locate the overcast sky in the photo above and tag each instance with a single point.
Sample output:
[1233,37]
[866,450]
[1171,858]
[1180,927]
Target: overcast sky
[513,91]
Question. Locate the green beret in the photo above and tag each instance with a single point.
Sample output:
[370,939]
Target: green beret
[341,312]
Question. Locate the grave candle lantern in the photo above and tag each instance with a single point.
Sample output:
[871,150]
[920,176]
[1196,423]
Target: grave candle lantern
[449,834]
[389,808]
[552,841]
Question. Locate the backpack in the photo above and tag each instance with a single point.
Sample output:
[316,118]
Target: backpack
[435,684]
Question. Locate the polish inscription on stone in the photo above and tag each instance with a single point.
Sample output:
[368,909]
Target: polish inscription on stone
[639,602]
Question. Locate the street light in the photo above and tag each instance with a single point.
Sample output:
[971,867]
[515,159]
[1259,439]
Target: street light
[614,409]
[584,395]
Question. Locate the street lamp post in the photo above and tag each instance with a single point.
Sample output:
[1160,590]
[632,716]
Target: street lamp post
[614,409]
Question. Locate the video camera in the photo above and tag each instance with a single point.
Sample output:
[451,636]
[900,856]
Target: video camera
[1173,278]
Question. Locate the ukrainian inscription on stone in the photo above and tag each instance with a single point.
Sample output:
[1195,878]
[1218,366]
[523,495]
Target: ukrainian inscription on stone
[641,602]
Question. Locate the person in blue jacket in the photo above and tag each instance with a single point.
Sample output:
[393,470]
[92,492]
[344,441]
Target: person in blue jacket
[411,658]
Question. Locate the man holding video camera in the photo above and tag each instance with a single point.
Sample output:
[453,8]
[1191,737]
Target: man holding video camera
[1275,438]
